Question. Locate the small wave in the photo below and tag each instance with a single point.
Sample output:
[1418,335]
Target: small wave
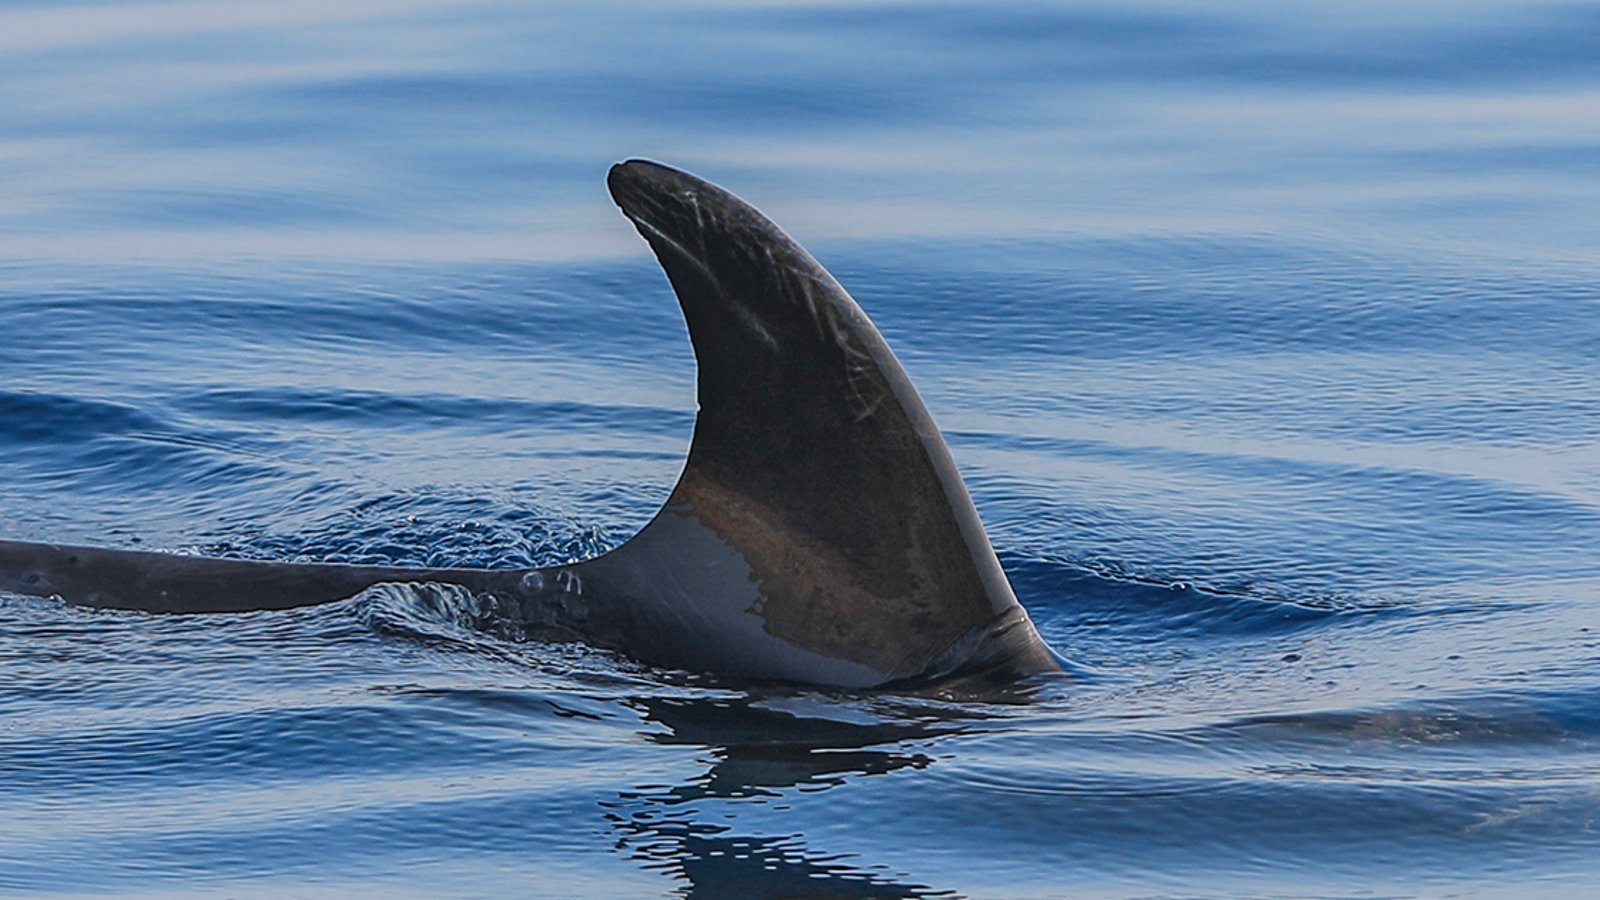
[1073,597]
[442,526]
[398,410]
[29,416]
[1500,722]
[453,619]
[438,614]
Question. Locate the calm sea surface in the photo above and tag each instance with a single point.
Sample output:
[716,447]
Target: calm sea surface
[1267,338]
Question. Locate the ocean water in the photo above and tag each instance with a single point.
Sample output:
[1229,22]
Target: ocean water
[1268,340]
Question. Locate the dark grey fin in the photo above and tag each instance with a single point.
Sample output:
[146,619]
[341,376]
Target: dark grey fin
[820,532]
[848,533]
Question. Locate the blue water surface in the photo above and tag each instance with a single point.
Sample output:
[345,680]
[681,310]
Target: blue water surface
[1267,338]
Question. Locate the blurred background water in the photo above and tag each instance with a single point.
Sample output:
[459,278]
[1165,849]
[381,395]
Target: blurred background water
[1267,338]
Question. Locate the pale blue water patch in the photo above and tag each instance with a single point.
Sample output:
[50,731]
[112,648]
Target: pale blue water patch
[1267,339]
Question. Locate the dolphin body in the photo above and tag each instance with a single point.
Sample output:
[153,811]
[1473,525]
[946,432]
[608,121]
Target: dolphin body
[819,533]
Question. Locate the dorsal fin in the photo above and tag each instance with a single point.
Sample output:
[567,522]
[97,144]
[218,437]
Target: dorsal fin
[814,461]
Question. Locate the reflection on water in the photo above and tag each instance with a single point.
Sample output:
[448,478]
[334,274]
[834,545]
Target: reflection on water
[764,750]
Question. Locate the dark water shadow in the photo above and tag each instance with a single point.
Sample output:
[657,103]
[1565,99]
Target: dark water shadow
[762,750]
